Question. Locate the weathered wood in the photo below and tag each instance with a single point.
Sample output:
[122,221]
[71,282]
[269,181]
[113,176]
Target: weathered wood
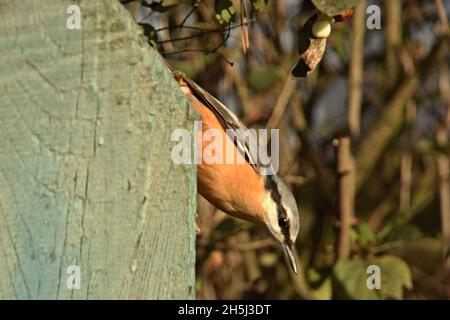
[86,177]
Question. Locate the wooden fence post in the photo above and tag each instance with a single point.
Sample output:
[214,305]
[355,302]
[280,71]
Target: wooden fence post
[87,185]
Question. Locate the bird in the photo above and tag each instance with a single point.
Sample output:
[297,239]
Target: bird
[239,189]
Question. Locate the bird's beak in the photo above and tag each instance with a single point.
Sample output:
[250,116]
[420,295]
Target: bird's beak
[291,256]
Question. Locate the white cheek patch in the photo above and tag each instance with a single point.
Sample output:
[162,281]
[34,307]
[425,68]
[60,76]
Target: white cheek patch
[294,226]
[292,233]
[271,212]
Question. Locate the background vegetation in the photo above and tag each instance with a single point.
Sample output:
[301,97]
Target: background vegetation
[364,143]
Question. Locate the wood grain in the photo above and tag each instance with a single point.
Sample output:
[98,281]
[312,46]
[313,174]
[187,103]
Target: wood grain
[85,171]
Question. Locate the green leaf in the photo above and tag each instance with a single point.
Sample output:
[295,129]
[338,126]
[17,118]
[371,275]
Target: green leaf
[225,11]
[350,280]
[150,33]
[259,5]
[406,231]
[334,7]
[321,287]
[364,234]
[395,276]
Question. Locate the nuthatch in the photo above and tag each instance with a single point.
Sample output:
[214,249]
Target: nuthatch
[238,188]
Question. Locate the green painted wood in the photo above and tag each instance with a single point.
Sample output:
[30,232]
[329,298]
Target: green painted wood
[85,171]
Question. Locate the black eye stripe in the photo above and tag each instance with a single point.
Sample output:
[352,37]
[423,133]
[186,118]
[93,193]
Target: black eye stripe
[271,186]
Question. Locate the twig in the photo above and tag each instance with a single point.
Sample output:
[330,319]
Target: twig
[405,180]
[210,51]
[423,195]
[443,164]
[202,33]
[344,156]
[392,117]
[244,29]
[194,8]
[387,205]
[187,27]
[442,16]
[282,103]
[346,176]
[393,61]
[147,16]
[393,36]
[356,70]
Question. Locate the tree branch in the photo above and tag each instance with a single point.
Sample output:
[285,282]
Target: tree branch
[391,117]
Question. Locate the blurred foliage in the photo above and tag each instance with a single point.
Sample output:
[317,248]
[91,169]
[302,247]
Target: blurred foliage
[398,223]
[160,6]
[225,11]
[259,5]
[334,7]
[150,33]
[350,278]
[263,77]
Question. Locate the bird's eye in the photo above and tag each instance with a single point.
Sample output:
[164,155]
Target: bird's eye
[282,222]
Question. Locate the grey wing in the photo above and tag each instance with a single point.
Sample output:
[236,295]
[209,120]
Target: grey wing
[229,120]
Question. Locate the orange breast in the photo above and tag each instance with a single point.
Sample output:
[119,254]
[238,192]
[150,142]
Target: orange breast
[236,188]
